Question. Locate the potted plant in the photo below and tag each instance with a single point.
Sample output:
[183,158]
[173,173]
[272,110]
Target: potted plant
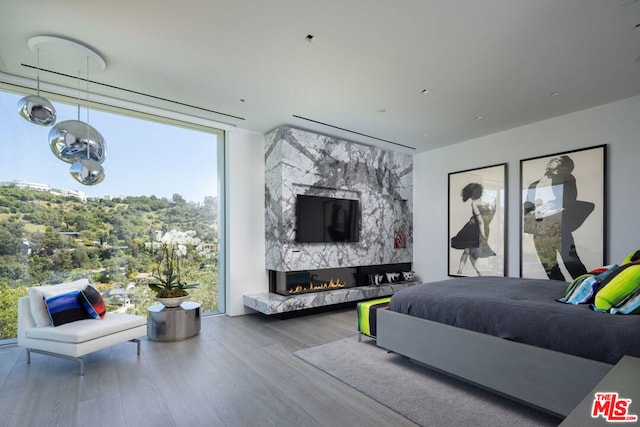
[172,246]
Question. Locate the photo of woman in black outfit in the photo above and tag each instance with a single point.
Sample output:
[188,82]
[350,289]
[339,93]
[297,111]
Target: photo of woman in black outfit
[562,214]
[472,238]
[552,212]
[477,217]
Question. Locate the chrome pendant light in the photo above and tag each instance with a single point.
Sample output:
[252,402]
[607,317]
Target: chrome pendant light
[36,109]
[87,172]
[79,143]
[74,140]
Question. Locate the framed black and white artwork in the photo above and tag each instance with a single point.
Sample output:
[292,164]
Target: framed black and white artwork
[477,218]
[562,216]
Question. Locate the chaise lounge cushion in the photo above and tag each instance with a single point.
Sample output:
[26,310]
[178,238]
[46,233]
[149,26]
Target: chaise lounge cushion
[36,299]
[88,329]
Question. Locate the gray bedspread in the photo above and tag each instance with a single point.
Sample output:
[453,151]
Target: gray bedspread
[523,310]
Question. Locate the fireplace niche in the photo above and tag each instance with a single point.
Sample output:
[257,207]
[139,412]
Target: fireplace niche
[290,283]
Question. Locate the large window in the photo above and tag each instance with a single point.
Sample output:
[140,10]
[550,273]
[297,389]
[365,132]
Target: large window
[161,175]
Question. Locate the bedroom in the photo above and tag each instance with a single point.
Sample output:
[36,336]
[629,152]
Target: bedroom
[612,77]
[614,124]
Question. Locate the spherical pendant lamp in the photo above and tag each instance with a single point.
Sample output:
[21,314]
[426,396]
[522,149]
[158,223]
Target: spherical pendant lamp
[73,140]
[87,172]
[37,110]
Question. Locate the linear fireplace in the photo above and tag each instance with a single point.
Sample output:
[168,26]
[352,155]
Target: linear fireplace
[299,282]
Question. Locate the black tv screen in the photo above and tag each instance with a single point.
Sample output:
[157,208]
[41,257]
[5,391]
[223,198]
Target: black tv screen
[326,219]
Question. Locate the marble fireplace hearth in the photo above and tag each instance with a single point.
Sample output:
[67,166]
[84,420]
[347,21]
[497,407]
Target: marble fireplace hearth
[271,303]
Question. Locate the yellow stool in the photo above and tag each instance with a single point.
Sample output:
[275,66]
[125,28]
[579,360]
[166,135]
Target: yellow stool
[367,316]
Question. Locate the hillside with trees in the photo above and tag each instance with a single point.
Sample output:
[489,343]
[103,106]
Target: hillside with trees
[47,239]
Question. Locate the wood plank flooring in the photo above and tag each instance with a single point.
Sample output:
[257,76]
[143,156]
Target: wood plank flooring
[239,371]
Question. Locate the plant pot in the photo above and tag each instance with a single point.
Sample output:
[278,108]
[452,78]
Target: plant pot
[172,302]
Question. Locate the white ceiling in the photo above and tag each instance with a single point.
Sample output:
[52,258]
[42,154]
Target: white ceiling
[362,74]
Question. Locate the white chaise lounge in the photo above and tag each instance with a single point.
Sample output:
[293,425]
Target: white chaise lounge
[76,339]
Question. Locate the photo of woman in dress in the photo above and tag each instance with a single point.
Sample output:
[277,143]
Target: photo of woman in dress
[473,236]
[476,238]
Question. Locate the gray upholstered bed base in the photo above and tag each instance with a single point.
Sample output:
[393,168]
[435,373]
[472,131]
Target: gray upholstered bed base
[548,380]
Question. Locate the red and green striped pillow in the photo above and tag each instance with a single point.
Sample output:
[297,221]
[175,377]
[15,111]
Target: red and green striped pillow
[92,302]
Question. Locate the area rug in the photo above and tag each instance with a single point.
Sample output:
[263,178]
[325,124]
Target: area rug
[426,397]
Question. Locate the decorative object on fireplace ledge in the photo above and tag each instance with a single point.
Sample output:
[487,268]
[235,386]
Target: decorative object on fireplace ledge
[398,239]
[393,277]
[408,276]
[376,279]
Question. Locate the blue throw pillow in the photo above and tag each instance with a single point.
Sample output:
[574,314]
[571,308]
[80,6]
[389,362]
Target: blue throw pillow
[65,308]
[583,288]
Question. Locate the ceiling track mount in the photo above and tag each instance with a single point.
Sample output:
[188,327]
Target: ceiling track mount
[134,92]
[353,132]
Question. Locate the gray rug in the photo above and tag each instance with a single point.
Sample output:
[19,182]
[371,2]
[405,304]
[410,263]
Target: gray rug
[424,396]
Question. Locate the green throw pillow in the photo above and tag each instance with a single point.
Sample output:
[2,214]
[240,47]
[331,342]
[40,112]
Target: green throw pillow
[618,286]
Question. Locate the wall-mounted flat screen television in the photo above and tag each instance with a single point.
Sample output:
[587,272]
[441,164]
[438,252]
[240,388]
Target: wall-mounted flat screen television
[327,219]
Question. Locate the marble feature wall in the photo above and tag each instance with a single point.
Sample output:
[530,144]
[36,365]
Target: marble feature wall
[302,162]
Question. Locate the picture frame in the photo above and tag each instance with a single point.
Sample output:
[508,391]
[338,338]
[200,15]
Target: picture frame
[477,237]
[562,214]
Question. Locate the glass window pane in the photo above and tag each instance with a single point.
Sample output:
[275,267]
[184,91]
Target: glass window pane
[159,177]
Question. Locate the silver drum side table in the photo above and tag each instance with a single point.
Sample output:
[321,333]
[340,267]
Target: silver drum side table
[173,324]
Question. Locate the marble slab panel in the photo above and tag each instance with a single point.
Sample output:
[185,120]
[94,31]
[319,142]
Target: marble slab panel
[302,162]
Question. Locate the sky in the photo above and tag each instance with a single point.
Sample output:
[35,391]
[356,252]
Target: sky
[144,158]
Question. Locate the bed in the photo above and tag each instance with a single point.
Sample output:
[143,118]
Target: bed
[509,335]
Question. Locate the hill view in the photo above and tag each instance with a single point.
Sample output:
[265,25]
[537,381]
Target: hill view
[48,239]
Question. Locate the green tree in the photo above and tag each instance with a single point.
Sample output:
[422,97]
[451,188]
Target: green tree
[177,198]
[111,248]
[9,309]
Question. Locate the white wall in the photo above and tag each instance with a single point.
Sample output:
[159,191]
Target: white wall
[245,266]
[616,124]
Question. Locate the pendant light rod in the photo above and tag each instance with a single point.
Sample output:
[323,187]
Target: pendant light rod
[87,95]
[78,95]
[38,73]
[87,105]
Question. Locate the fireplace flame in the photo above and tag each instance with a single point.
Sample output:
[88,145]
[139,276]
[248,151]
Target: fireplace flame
[313,287]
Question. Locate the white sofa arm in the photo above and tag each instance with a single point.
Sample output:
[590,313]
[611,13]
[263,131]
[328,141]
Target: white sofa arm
[25,319]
